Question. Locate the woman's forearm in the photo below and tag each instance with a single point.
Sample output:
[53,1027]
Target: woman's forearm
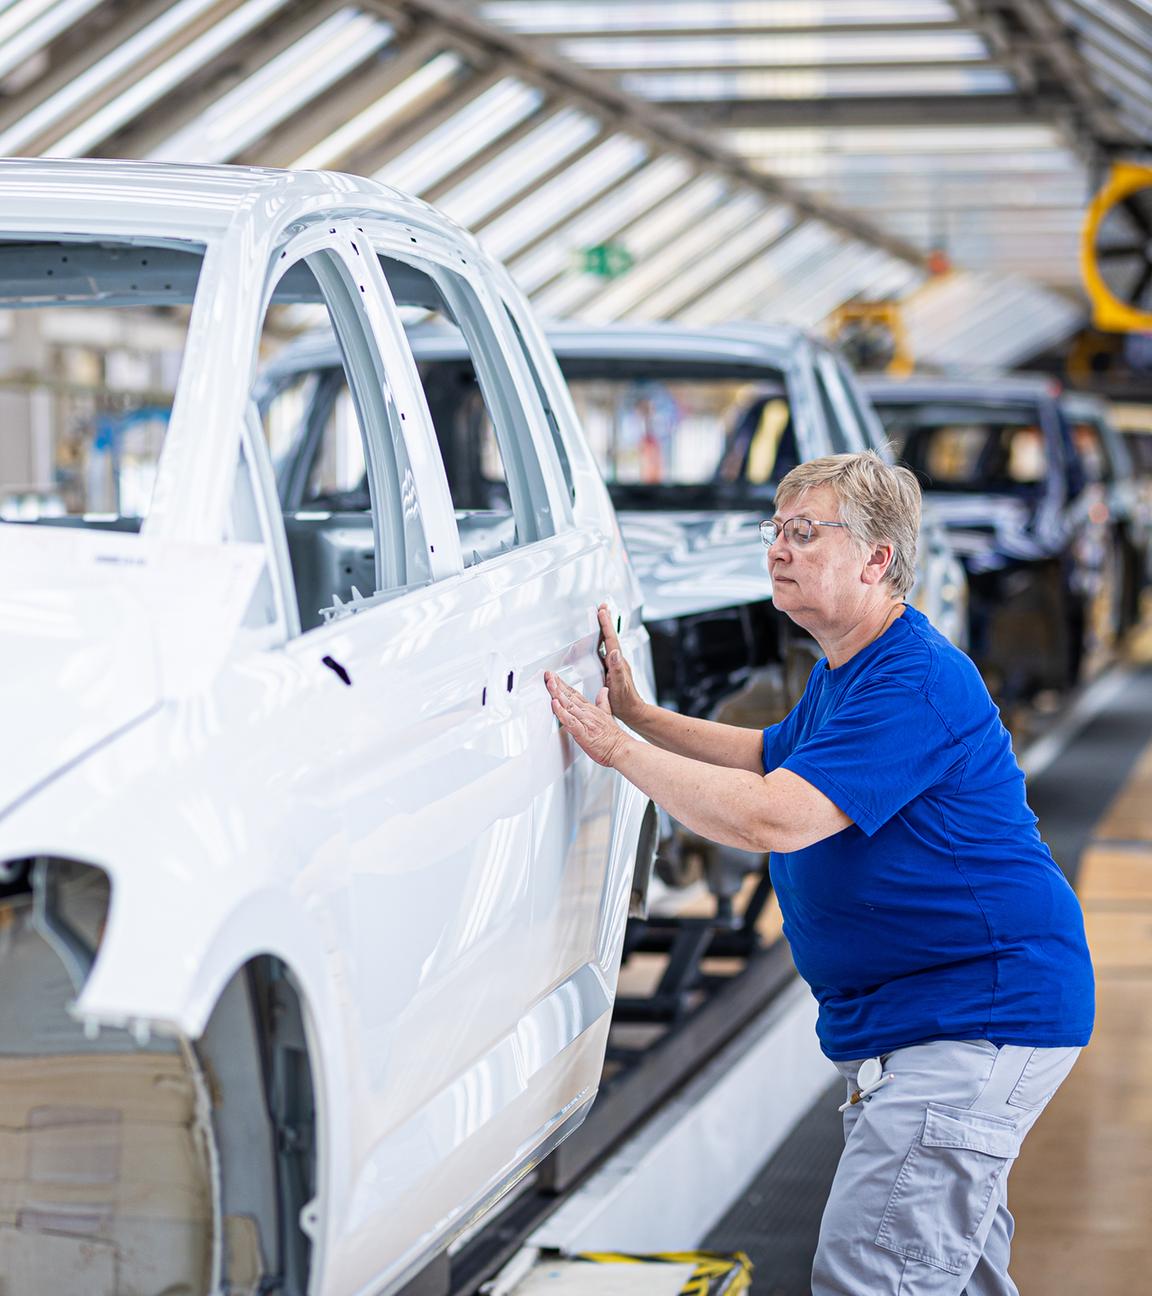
[777,812]
[704,740]
[726,805]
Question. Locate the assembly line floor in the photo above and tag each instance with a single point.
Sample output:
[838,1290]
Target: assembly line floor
[1081,1190]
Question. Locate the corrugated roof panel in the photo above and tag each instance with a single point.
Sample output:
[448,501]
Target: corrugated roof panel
[85,88]
[463,135]
[542,148]
[794,256]
[607,219]
[296,77]
[427,83]
[715,263]
[544,16]
[629,294]
[645,238]
[26,26]
[148,89]
[591,173]
[743,50]
[815,83]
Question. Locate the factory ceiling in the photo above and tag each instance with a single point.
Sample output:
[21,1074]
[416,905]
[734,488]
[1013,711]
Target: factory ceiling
[692,159]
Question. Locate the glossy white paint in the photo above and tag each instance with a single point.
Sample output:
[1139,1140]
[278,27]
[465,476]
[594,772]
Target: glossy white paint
[445,876]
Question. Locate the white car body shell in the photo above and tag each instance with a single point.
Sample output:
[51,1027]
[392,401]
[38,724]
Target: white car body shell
[446,878]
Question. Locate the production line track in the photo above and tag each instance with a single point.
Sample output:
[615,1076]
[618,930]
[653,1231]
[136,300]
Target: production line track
[785,1201]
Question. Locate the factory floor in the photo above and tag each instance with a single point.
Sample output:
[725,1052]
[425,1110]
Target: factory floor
[1081,1190]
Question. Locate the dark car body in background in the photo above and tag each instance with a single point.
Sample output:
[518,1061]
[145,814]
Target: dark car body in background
[1108,460]
[1039,530]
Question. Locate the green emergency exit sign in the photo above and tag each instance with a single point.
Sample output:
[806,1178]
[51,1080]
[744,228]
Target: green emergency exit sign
[608,260]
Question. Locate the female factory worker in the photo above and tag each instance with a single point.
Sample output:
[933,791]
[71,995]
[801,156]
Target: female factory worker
[941,941]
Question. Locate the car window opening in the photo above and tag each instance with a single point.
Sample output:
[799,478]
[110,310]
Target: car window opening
[86,412]
[955,447]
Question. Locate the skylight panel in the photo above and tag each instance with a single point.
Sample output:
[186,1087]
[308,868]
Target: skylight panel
[846,165]
[689,204]
[933,140]
[297,76]
[791,299]
[1098,13]
[28,25]
[743,50]
[1128,87]
[86,87]
[628,294]
[425,84]
[153,86]
[605,221]
[717,262]
[511,170]
[462,136]
[545,16]
[755,83]
[853,273]
[589,174]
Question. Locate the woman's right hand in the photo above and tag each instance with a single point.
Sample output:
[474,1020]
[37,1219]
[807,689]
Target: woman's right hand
[626,703]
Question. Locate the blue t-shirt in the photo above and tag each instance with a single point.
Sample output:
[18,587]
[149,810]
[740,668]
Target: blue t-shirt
[938,913]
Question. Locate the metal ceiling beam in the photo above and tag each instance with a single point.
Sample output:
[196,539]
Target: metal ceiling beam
[1042,41]
[871,111]
[603,97]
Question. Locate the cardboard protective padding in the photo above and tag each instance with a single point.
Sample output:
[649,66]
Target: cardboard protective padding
[105,1179]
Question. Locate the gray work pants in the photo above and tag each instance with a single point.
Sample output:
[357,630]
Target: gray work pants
[919,1205]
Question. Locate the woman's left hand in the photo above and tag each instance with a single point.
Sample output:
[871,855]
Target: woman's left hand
[590,724]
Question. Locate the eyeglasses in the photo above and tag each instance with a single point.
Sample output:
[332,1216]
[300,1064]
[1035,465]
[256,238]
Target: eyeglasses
[796,530]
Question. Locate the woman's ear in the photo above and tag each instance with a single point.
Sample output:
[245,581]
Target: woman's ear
[879,560]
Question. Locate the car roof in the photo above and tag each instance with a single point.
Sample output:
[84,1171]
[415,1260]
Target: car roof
[921,387]
[49,195]
[1085,405]
[771,346]
[739,345]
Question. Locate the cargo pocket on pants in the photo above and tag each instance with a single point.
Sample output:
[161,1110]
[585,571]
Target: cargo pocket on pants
[945,1186]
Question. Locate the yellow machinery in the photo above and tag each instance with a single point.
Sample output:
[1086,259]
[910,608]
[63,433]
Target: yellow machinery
[871,336]
[1116,251]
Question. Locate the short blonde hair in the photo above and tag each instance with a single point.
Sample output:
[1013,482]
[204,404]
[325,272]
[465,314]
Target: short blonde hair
[879,501]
